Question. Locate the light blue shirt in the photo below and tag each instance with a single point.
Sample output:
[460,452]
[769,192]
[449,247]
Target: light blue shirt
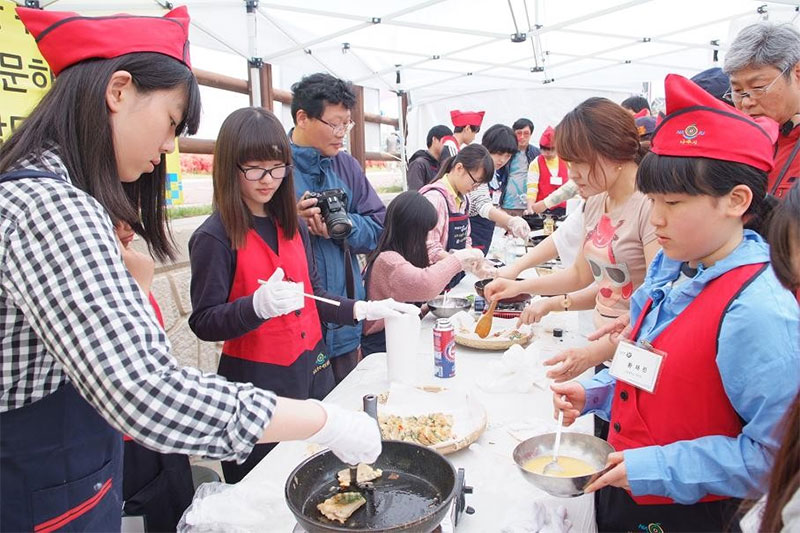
[517,186]
[758,360]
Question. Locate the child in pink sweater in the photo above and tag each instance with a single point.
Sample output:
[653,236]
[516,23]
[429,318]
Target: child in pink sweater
[399,267]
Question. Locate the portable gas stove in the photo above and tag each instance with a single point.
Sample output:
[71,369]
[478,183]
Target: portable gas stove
[503,309]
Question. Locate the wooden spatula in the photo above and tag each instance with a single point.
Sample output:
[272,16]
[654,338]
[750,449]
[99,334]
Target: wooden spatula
[484,325]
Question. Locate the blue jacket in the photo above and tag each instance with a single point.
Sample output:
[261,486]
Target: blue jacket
[314,172]
[758,361]
[500,180]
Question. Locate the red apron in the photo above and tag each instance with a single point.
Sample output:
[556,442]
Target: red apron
[787,164]
[279,340]
[286,354]
[689,382]
[545,186]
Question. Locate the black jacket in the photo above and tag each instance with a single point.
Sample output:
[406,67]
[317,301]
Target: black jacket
[422,169]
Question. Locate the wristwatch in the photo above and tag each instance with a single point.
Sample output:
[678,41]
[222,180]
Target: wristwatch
[566,302]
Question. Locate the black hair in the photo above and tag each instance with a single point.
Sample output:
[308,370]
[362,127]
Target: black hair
[437,132]
[474,157]
[500,139]
[459,129]
[695,176]
[315,91]
[74,117]
[635,103]
[784,238]
[409,218]
[521,124]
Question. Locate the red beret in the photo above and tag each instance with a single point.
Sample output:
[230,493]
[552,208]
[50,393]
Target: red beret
[466,118]
[547,137]
[65,38]
[699,125]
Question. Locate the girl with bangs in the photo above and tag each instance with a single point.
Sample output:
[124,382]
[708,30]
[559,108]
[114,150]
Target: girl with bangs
[84,358]
[251,263]
[712,325]
[600,143]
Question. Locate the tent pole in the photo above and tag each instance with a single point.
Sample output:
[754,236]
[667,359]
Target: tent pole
[402,124]
[254,64]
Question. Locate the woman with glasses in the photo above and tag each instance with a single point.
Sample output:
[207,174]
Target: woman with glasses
[763,63]
[251,265]
[600,143]
[458,176]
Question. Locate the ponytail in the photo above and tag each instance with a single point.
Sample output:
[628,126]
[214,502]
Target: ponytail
[445,167]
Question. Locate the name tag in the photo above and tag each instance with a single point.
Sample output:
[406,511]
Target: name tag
[637,365]
[556,180]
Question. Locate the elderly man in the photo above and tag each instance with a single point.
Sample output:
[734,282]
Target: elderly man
[764,65]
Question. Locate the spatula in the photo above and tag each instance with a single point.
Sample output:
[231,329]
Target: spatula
[484,325]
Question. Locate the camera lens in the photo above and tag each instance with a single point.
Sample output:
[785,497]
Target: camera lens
[339,224]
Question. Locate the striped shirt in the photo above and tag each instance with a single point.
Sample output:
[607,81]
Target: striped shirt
[71,313]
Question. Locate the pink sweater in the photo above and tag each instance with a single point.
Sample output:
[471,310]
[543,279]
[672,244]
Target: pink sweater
[394,277]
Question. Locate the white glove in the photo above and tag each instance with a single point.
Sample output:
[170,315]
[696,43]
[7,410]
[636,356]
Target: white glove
[518,227]
[468,257]
[352,436]
[277,297]
[379,309]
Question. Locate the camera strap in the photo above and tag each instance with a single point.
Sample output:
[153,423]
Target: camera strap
[349,279]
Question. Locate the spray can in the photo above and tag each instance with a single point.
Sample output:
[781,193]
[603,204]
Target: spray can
[444,348]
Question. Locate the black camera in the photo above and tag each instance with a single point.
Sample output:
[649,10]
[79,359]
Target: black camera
[332,204]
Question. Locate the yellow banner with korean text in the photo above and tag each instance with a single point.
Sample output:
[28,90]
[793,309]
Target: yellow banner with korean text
[25,77]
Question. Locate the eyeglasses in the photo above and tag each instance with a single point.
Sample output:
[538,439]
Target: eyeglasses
[258,173]
[753,94]
[475,183]
[339,129]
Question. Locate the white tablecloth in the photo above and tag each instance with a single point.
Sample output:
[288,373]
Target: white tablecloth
[502,497]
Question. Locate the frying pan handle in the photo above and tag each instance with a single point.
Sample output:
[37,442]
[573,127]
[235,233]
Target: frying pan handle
[371,405]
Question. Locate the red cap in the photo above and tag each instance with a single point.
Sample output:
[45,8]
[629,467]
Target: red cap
[547,137]
[65,38]
[466,118]
[699,125]
[643,112]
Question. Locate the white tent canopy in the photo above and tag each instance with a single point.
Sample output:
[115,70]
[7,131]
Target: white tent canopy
[459,53]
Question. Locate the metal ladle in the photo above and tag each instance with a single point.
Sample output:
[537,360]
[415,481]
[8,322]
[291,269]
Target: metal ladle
[553,467]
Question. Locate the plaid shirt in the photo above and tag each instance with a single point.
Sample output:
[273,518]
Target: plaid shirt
[71,312]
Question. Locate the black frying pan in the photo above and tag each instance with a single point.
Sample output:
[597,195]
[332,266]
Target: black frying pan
[413,494]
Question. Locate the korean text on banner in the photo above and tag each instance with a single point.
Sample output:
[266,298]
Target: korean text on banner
[24,74]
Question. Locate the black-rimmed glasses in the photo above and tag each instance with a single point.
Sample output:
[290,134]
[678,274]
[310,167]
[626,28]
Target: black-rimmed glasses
[339,129]
[753,94]
[475,183]
[258,173]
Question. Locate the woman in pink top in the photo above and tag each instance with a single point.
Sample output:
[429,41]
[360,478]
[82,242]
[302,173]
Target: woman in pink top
[600,143]
[400,268]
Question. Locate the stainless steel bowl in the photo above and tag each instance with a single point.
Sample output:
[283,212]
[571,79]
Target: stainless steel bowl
[587,448]
[443,309]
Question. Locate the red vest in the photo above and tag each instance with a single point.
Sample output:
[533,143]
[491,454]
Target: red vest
[279,340]
[545,187]
[783,152]
[689,401]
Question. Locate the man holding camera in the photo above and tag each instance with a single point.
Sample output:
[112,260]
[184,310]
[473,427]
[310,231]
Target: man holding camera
[343,212]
